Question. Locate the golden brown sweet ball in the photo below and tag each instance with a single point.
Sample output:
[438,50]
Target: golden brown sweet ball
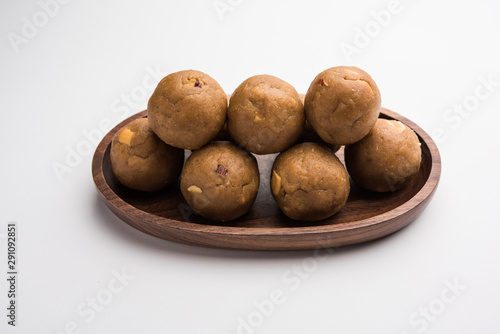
[386,159]
[220,181]
[142,161]
[187,109]
[265,114]
[309,182]
[342,104]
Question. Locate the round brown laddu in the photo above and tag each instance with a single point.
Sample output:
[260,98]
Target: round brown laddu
[386,159]
[187,109]
[265,115]
[309,182]
[142,161]
[342,104]
[220,181]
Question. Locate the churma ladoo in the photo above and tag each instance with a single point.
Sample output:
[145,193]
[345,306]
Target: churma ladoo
[309,182]
[342,104]
[386,159]
[142,161]
[265,115]
[220,181]
[187,109]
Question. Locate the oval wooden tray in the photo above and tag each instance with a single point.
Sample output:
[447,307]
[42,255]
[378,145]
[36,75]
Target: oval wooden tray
[366,216]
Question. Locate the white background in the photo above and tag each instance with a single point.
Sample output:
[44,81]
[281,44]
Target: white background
[74,74]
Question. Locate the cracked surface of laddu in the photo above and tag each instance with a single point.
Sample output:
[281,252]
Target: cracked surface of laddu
[187,109]
[142,161]
[265,114]
[220,196]
[386,159]
[342,104]
[309,182]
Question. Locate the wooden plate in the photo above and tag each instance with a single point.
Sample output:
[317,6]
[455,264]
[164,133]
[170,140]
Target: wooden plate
[366,216]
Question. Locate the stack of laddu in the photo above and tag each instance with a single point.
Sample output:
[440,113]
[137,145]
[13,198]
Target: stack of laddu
[220,180]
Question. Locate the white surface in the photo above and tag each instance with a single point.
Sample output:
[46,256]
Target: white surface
[76,72]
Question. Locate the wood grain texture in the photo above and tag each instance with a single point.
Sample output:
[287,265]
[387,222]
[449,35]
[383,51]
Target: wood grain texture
[366,216]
